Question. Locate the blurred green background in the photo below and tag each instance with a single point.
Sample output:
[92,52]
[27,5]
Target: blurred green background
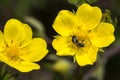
[40,14]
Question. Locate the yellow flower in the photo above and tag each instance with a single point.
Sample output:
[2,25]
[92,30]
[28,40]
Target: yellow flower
[17,47]
[62,66]
[81,34]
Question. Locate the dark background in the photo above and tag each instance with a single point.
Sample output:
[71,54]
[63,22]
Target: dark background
[45,11]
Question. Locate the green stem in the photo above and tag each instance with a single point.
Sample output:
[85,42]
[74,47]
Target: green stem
[3,70]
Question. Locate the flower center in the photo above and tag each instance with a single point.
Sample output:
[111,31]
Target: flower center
[79,38]
[13,52]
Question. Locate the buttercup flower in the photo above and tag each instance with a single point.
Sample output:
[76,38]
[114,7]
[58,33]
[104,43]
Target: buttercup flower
[17,47]
[82,34]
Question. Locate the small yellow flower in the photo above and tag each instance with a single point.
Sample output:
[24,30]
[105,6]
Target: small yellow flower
[81,34]
[17,47]
[62,66]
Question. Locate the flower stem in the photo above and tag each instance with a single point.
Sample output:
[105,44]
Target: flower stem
[3,70]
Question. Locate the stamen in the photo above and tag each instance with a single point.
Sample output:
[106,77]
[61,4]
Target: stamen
[13,52]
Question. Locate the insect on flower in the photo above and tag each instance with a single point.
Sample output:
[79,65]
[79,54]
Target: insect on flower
[75,41]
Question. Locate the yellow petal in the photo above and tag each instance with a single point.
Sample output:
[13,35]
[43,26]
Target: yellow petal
[26,35]
[12,30]
[15,31]
[63,46]
[87,56]
[64,23]
[89,16]
[2,42]
[25,66]
[19,65]
[35,50]
[3,58]
[103,35]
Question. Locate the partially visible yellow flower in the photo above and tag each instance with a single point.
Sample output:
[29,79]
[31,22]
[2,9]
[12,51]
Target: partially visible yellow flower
[17,47]
[62,66]
[81,34]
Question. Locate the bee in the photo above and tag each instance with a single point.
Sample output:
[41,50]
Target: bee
[75,41]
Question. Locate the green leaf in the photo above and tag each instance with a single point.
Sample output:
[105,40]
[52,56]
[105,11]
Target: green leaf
[7,75]
[91,1]
[107,16]
[77,2]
